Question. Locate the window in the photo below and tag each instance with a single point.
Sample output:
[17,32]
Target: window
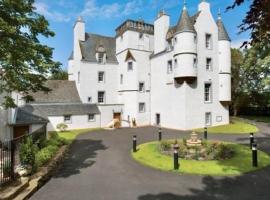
[130,66]
[169,67]
[101,97]
[208,119]
[141,107]
[101,77]
[195,39]
[195,62]
[141,87]
[100,57]
[67,119]
[175,63]
[208,41]
[121,79]
[175,40]
[208,64]
[89,99]
[91,117]
[79,77]
[207,92]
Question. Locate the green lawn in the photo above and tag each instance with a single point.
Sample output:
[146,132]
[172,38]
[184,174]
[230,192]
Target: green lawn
[149,155]
[265,119]
[237,126]
[72,134]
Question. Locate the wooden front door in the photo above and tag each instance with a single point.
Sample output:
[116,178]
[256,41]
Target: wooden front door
[117,116]
[19,131]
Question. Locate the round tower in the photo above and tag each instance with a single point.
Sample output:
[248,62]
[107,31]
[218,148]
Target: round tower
[185,49]
[224,46]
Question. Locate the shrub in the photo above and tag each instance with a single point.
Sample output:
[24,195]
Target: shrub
[182,150]
[42,142]
[165,145]
[27,152]
[223,152]
[45,155]
[62,127]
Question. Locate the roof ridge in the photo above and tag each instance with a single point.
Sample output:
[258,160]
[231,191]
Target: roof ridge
[105,36]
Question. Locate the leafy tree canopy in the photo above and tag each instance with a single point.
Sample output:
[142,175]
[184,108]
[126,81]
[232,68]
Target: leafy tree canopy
[257,20]
[24,61]
[60,75]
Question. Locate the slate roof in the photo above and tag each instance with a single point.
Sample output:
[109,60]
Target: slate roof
[92,42]
[62,91]
[172,29]
[185,23]
[222,32]
[39,113]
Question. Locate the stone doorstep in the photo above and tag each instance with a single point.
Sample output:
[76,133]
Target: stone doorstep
[11,192]
[29,191]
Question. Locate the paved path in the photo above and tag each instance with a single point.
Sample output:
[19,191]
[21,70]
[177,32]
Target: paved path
[99,167]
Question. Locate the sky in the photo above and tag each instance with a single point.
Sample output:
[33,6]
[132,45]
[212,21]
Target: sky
[103,16]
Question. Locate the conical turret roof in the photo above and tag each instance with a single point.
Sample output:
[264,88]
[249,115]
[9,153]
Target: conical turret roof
[222,33]
[184,23]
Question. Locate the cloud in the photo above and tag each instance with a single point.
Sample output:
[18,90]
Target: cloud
[44,9]
[92,9]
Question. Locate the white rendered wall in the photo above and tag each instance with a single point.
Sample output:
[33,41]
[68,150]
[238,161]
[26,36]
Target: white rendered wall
[77,122]
[131,40]
[162,25]
[107,112]
[89,85]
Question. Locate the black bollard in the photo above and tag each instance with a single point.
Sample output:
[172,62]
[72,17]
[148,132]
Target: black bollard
[134,143]
[254,155]
[205,133]
[251,138]
[175,159]
[159,134]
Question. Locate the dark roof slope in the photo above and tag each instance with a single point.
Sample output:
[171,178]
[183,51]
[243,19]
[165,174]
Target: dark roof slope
[92,42]
[185,24]
[25,117]
[222,32]
[62,91]
[39,113]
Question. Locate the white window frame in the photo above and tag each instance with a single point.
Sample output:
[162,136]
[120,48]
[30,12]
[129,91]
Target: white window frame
[169,67]
[130,66]
[143,108]
[67,121]
[103,77]
[208,119]
[104,97]
[93,119]
[208,41]
[208,93]
[209,66]
[143,88]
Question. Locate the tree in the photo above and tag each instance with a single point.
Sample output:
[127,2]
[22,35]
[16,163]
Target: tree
[257,21]
[60,75]
[239,97]
[24,61]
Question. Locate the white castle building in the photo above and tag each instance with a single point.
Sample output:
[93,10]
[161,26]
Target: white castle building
[174,76]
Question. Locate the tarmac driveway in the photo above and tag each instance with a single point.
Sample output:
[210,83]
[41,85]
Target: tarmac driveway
[99,167]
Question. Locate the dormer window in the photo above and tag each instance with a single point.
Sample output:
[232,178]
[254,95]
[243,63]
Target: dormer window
[101,54]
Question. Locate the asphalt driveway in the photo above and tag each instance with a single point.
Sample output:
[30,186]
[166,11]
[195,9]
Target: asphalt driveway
[99,167]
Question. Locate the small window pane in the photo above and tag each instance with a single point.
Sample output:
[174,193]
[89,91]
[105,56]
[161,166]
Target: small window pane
[208,119]
[141,107]
[207,92]
[121,79]
[91,117]
[101,76]
[101,97]
[169,67]
[130,66]
[141,87]
[208,64]
[208,42]
[89,99]
[67,118]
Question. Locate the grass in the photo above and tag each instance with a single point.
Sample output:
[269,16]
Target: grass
[265,119]
[237,126]
[70,135]
[149,155]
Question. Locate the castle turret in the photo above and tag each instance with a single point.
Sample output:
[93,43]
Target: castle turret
[224,46]
[185,50]
[79,35]
[161,25]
